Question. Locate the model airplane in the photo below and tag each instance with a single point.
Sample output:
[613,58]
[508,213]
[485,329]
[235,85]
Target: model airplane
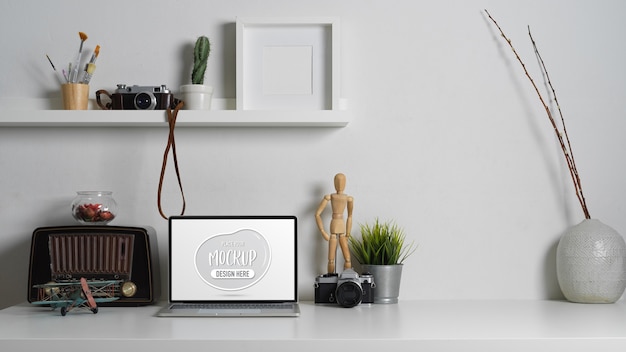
[76,294]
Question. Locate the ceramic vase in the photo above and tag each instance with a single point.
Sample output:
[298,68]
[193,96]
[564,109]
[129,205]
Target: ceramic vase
[196,96]
[591,263]
[387,280]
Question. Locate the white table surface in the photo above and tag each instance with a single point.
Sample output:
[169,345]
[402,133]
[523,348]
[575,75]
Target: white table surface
[519,325]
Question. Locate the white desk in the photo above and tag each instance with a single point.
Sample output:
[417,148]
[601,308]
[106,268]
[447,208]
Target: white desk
[408,326]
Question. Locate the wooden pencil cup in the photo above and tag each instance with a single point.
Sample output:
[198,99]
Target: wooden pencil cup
[75,96]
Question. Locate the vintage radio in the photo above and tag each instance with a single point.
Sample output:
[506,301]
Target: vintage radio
[69,253]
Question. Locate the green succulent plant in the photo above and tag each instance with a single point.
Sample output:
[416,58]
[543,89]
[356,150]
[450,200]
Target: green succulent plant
[201,52]
[381,243]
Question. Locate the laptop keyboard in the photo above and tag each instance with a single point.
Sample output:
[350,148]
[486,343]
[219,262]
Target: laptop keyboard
[236,306]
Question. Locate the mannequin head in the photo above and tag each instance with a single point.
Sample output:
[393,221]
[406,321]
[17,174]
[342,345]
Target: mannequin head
[340,183]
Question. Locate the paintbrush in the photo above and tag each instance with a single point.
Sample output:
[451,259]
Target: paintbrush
[74,67]
[62,78]
[90,67]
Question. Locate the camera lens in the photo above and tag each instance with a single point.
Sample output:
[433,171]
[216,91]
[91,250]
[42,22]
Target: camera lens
[145,101]
[349,294]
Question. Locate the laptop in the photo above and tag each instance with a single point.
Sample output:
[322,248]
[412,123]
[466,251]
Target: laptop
[232,266]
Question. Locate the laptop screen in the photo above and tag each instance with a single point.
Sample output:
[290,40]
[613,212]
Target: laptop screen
[242,259]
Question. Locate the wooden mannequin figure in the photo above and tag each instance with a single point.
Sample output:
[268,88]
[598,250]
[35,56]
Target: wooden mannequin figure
[339,229]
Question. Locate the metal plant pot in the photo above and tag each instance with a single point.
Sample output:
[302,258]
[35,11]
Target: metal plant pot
[387,279]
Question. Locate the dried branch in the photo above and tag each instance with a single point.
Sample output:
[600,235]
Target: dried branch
[565,147]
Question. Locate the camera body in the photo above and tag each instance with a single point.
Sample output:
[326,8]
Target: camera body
[347,289]
[141,97]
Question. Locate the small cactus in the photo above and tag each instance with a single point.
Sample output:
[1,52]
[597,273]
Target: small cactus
[201,53]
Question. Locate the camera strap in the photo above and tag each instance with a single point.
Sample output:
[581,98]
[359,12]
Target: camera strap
[102,105]
[171,145]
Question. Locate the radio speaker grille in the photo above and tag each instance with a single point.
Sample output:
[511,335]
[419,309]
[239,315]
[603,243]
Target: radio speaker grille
[85,255]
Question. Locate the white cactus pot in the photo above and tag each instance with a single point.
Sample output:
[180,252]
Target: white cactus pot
[196,96]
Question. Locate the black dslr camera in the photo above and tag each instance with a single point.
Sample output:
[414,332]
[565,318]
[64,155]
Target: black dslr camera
[138,98]
[348,289]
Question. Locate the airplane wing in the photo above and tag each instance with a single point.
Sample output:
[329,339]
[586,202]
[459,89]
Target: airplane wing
[68,301]
[105,299]
[57,284]
[93,283]
[100,283]
[61,301]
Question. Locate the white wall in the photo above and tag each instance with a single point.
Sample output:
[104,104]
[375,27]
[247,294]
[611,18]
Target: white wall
[447,138]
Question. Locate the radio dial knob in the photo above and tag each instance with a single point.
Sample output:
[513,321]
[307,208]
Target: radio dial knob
[129,289]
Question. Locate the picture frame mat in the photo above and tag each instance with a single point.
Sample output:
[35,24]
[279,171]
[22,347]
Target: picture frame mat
[287,64]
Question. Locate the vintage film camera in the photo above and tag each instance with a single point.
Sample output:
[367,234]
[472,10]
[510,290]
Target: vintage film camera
[140,98]
[347,289]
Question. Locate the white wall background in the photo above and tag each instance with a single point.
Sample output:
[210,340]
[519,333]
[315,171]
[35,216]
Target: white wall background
[448,138]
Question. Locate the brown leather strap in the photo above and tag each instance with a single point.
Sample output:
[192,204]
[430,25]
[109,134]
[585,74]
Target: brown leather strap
[171,144]
[102,105]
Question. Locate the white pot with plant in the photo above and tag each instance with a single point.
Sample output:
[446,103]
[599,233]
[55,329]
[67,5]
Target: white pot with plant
[197,96]
[381,251]
[590,256]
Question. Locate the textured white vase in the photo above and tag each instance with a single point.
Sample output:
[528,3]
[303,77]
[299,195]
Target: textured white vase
[591,263]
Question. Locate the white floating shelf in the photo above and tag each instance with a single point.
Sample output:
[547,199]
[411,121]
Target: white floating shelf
[15,115]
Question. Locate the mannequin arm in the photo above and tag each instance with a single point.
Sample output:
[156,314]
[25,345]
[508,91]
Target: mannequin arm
[318,217]
[349,219]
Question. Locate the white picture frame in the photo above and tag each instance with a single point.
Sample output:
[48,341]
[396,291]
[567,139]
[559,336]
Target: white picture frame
[287,63]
